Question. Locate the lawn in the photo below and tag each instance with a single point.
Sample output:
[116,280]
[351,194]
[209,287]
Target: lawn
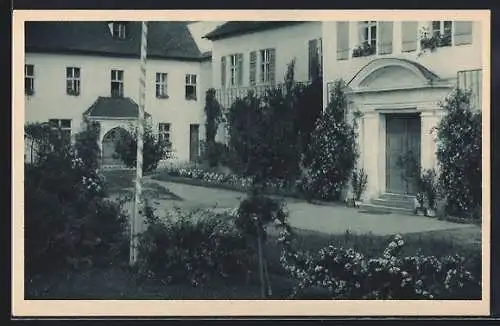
[118,281]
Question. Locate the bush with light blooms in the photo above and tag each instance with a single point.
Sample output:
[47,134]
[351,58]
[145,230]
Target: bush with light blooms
[459,155]
[347,274]
[332,149]
[68,221]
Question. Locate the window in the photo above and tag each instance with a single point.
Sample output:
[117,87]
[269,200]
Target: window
[369,34]
[72,81]
[265,65]
[236,69]
[119,30]
[191,87]
[161,85]
[63,125]
[164,133]
[29,79]
[442,30]
[315,58]
[117,83]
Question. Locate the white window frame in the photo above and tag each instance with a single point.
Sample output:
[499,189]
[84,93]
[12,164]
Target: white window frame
[74,80]
[369,25]
[234,71]
[164,130]
[30,78]
[59,126]
[115,78]
[265,66]
[161,83]
[191,80]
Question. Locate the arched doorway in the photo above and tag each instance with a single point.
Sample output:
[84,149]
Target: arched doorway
[109,155]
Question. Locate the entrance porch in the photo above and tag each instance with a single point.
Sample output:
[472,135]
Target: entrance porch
[398,101]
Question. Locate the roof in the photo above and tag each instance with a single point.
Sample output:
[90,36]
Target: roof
[113,107]
[170,40]
[234,28]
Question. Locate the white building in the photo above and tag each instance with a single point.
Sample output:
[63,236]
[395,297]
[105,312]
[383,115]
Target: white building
[396,81]
[74,69]
[395,76]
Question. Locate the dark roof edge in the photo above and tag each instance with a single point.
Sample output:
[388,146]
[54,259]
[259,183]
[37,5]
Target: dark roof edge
[219,36]
[30,49]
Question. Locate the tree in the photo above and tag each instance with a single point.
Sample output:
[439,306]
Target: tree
[87,145]
[459,154]
[332,149]
[263,133]
[154,149]
[213,117]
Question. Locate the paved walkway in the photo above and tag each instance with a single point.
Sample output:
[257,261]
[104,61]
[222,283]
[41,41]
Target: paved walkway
[303,215]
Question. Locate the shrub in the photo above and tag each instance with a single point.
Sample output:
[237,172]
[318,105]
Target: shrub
[154,149]
[213,116]
[428,185]
[359,182]
[263,134]
[68,222]
[333,150]
[459,155]
[192,246]
[347,274]
[87,145]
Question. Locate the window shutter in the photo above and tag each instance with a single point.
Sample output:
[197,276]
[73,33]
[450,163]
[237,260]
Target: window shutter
[409,31]
[253,68]
[385,37]
[272,66]
[463,32]
[313,58]
[320,60]
[240,69]
[223,71]
[342,40]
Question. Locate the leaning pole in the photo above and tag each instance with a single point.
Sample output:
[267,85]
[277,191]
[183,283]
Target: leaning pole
[136,222]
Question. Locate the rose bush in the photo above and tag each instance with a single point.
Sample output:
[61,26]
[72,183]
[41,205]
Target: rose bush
[347,274]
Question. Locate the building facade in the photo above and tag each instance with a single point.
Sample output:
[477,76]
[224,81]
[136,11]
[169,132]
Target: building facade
[77,70]
[396,73]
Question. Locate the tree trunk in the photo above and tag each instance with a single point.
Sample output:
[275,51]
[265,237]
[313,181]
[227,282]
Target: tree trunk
[261,264]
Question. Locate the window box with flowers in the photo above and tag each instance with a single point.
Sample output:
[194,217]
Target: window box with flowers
[432,41]
[363,50]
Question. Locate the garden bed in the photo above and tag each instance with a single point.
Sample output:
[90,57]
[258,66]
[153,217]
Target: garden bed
[120,282]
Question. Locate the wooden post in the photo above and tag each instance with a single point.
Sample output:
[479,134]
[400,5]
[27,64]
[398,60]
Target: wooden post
[136,218]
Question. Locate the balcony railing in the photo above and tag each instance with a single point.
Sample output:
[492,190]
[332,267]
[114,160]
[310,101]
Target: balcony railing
[471,80]
[227,96]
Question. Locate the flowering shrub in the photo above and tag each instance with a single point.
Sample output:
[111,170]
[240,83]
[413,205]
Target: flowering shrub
[333,150]
[459,155]
[68,221]
[347,274]
[432,41]
[363,50]
[192,246]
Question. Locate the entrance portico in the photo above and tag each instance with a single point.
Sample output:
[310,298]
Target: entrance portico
[398,100]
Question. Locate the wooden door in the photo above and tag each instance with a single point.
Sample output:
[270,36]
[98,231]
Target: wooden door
[194,142]
[402,153]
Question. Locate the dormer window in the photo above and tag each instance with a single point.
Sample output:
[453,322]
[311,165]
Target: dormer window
[118,30]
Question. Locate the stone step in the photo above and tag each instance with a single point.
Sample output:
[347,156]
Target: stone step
[397,197]
[370,207]
[393,203]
